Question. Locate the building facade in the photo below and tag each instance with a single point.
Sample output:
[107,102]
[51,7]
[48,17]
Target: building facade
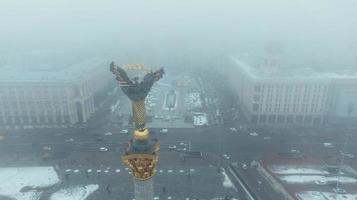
[55,97]
[275,99]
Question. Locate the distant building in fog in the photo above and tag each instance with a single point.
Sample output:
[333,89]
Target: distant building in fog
[50,95]
[271,94]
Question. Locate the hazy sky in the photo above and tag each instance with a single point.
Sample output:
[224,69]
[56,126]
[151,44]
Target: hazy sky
[158,28]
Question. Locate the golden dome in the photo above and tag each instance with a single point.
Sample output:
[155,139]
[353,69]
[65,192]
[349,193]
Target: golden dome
[142,134]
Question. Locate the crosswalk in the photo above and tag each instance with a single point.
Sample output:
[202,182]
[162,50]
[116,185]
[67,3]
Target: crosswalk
[125,170]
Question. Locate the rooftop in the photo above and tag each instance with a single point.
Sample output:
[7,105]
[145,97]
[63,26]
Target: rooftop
[274,67]
[47,65]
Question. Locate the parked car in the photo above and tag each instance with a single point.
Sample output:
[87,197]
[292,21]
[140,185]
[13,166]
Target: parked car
[47,148]
[226,156]
[103,149]
[124,131]
[253,134]
[172,147]
[70,140]
[164,130]
[233,129]
[108,133]
[328,145]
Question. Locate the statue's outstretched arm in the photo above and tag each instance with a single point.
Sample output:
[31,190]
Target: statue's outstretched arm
[120,74]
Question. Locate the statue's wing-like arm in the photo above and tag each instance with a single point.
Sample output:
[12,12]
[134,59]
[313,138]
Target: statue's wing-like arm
[158,74]
[120,74]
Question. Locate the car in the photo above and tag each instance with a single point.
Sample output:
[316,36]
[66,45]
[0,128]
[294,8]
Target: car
[124,131]
[70,140]
[339,191]
[172,147]
[192,154]
[164,130]
[253,134]
[244,166]
[233,129]
[267,138]
[103,149]
[294,151]
[108,133]
[47,155]
[226,156]
[321,182]
[347,154]
[182,143]
[181,149]
[328,145]
[99,139]
[47,148]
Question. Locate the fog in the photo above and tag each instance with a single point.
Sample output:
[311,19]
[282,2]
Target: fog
[221,99]
[173,33]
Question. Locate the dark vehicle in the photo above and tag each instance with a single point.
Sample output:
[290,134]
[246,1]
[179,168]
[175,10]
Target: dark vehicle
[99,139]
[290,155]
[192,154]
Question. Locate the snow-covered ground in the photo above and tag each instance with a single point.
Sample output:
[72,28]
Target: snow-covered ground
[305,179]
[226,181]
[293,169]
[74,193]
[316,195]
[193,100]
[25,183]
[200,119]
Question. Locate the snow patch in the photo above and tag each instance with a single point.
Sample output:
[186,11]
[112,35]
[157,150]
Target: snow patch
[74,193]
[226,182]
[290,169]
[26,183]
[303,179]
[316,195]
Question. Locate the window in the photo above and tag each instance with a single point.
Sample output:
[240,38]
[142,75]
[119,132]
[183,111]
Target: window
[257,88]
[255,107]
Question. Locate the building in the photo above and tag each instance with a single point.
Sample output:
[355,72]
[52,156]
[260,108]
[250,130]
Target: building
[50,95]
[272,94]
[343,97]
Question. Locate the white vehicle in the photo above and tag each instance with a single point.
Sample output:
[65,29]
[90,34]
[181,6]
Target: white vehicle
[108,133]
[47,148]
[267,138]
[164,130]
[321,182]
[294,151]
[226,156]
[70,140]
[328,145]
[233,129]
[347,154]
[103,149]
[339,190]
[244,166]
[181,149]
[172,147]
[253,134]
[124,131]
